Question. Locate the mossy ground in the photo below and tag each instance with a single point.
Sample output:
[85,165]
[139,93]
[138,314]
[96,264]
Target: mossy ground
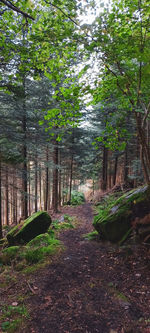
[18,262]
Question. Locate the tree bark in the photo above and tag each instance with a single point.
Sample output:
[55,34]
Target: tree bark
[55,198]
[6,198]
[24,153]
[126,166]
[144,147]
[40,186]
[36,182]
[1,233]
[115,170]
[71,176]
[46,180]
[105,168]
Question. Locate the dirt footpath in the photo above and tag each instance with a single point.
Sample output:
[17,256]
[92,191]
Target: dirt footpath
[92,287]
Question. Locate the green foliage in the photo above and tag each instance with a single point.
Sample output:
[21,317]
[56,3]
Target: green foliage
[12,317]
[68,218]
[57,225]
[77,198]
[9,254]
[33,256]
[107,203]
[93,235]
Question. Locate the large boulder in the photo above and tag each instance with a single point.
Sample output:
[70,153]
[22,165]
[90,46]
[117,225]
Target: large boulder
[34,225]
[130,210]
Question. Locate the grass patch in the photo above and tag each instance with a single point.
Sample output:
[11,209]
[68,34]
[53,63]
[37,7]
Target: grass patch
[94,235]
[12,317]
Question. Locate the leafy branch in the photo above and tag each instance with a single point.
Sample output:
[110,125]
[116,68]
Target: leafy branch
[16,9]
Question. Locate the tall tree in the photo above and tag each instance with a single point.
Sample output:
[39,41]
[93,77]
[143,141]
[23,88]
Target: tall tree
[121,44]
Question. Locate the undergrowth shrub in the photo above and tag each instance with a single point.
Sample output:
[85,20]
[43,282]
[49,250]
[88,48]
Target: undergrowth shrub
[64,224]
[94,235]
[77,198]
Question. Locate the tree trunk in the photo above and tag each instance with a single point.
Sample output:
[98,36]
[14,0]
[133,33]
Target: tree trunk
[6,198]
[115,170]
[144,146]
[109,169]
[71,176]
[126,166]
[104,170]
[60,199]
[1,233]
[24,153]
[46,181]
[55,198]
[36,182]
[40,186]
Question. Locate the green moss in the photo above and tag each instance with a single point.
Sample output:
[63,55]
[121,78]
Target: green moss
[36,224]
[114,222]
[33,256]
[40,240]
[51,232]
[2,241]
[9,254]
[39,247]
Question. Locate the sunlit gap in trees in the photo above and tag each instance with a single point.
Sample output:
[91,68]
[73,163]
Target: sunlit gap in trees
[87,14]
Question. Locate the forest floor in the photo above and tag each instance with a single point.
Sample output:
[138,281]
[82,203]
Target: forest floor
[89,287]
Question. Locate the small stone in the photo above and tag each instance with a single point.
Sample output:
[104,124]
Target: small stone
[14,304]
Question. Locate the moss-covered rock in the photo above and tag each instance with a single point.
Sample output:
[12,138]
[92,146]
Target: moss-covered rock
[34,225]
[115,223]
[40,240]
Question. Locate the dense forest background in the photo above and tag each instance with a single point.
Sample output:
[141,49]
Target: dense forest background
[75,105]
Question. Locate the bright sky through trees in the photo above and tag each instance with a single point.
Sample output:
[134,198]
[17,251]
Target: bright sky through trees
[92,10]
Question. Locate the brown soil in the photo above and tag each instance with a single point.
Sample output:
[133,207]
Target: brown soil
[91,287]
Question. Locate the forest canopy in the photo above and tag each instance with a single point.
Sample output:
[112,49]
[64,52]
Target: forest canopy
[74,99]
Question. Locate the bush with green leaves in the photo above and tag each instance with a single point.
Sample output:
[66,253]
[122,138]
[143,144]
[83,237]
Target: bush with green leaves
[77,198]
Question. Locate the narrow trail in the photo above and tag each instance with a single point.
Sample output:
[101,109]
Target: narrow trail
[78,293]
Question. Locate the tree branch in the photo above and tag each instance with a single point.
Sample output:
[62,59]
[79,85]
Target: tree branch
[147,112]
[128,93]
[16,9]
[70,18]
[62,11]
